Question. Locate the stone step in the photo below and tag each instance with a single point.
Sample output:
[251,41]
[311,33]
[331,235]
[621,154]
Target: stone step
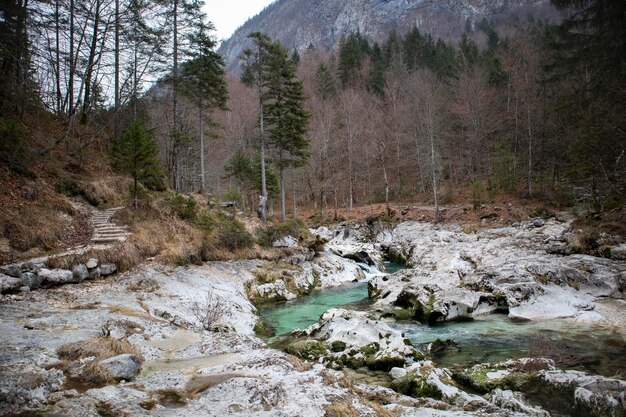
[108,239]
[111,228]
[111,234]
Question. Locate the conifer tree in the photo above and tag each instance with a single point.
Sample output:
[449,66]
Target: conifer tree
[256,73]
[287,119]
[135,153]
[204,82]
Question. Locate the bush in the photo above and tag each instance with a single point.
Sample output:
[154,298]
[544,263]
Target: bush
[232,234]
[205,221]
[209,311]
[269,234]
[184,207]
[232,194]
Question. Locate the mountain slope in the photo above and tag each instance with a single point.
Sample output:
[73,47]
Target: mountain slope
[322,23]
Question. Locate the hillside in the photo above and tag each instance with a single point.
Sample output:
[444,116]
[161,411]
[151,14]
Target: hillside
[321,23]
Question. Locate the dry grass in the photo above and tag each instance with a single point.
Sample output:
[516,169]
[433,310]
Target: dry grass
[340,408]
[95,374]
[298,364]
[382,411]
[124,255]
[98,347]
[170,397]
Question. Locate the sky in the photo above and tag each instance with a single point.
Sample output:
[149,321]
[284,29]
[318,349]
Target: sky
[228,15]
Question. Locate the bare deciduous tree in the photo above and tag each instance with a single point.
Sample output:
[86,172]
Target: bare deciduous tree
[210,310]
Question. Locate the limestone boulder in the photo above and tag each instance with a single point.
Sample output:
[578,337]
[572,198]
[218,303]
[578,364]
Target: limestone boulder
[120,367]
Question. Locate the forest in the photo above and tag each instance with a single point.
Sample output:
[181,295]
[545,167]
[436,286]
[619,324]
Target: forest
[534,111]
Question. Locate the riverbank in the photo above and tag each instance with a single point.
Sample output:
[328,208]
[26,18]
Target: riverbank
[146,317]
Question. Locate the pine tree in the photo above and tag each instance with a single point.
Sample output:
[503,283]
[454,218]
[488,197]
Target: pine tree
[589,50]
[204,81]
[135,153]
[286,119]
[325,85]
[352,52]
[256,73]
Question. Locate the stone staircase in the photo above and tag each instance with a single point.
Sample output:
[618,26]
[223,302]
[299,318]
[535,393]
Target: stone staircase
[105,231]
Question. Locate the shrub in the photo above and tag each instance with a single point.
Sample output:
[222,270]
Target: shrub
[232,235]
[184,207]
[205,221]
[209,311]
[269,234]
[232,194]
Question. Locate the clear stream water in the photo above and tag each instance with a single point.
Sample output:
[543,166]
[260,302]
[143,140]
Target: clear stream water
[493,338]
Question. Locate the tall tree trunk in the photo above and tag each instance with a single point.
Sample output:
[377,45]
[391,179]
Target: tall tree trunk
[293,191]
[57,26]
[90,63]
[530,153]
[177,138]
[350,173]
[386,184]
[116,133]
[283,214]
[433,162]
[72,69]
[263,198]
[202,179]
[135,81]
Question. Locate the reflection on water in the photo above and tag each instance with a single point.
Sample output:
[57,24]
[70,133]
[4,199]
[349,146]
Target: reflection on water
[496,338]
[304,311]
[596,349]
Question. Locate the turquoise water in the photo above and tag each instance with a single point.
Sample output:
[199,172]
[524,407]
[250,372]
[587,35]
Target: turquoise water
[490,339]
[496,338]
[391,267]
[304,311]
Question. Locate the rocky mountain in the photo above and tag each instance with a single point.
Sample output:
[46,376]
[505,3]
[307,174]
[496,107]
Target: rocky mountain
[322,23]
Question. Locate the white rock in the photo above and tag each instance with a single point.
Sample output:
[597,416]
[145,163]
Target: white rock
[286,242]
[396,372]
[124,366]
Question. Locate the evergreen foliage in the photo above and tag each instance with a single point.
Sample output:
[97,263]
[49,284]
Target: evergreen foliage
[589,50]
[135,153]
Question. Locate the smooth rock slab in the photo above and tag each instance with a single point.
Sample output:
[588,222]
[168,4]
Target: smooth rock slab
[92,263]
[124,366]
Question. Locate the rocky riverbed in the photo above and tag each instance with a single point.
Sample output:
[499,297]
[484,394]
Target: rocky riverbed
[134,343]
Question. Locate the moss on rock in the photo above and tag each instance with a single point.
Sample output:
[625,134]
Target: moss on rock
[307,349]
[415,384]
